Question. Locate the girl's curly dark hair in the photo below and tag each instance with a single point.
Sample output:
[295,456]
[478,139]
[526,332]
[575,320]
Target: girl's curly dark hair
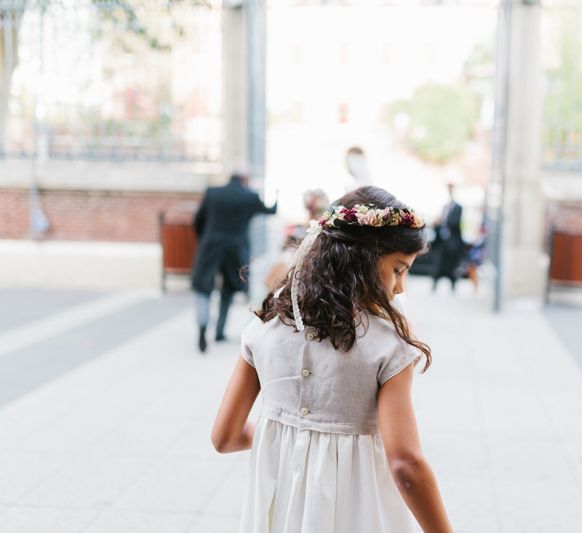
[340,277]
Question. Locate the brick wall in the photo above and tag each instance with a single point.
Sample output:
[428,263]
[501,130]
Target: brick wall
[91,215]
[13,214]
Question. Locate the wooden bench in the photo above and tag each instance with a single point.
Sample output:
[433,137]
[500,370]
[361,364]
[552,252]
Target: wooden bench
[565,248]
[179,243]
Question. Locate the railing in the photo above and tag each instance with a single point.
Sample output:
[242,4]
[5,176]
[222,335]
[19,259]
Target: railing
[111,79]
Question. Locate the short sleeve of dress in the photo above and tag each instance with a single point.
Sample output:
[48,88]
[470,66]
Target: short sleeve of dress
[247,342]
[401,357]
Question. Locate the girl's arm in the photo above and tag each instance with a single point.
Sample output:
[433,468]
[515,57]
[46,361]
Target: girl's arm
[411,471]
[232,432]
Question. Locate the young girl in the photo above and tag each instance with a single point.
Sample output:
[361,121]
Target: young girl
[336,448]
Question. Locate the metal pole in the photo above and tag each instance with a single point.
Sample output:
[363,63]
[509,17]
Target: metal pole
[498,167]
[257,109]
[257,113]
[39,223]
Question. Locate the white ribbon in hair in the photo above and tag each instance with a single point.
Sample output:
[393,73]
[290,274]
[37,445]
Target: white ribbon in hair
[312,233]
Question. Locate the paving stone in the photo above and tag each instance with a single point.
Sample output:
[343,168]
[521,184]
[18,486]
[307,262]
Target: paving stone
[24,471]
[35,520]
[139,522]
[175,484]
[215,523]
[26,369]
[27,305]
[89,482]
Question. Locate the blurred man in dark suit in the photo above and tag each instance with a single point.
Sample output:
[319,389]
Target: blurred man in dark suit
[448,244]
[222,223]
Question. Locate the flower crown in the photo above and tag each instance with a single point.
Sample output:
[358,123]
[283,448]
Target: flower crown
[369,215]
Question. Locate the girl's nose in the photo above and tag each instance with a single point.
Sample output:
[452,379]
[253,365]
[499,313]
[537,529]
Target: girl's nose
[399,287]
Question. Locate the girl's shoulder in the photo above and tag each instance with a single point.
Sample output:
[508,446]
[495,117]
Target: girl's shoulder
[381,346]
[253,328]
[257,325]
[254,324]
[372,324]
[376,334]
[257,329]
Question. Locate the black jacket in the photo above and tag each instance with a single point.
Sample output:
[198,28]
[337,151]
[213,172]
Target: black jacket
[449,231]
[222,223]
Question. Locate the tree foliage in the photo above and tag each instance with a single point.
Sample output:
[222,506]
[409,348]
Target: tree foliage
[126,17]
[563,95]
[438,120]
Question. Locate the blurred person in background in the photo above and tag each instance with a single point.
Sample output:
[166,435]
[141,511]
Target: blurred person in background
[221,224]
[477,254]
[357,166]
[448,243]
[316,203]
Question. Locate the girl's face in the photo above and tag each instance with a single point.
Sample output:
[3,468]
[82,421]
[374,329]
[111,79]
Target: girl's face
[393,270]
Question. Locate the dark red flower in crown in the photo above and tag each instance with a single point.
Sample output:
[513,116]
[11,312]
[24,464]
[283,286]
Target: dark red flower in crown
[407,219]
[349,214]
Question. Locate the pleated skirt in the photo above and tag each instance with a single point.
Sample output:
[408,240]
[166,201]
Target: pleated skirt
[304,481]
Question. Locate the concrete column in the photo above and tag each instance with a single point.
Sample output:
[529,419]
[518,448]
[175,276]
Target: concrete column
[244,58]
[235,87]
[522,241]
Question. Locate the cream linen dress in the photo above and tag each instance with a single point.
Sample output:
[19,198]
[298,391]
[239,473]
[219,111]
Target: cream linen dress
[318,464]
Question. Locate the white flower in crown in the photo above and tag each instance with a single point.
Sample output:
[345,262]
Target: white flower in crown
[330,216]
[326,216]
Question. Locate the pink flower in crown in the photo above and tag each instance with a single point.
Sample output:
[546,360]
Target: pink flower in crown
[349,214]
[384,214]
[370,218]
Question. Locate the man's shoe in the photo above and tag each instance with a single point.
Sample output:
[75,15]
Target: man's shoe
[202,345]
[220,337]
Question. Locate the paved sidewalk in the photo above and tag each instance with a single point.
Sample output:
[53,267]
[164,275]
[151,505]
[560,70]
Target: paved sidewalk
[119,441]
